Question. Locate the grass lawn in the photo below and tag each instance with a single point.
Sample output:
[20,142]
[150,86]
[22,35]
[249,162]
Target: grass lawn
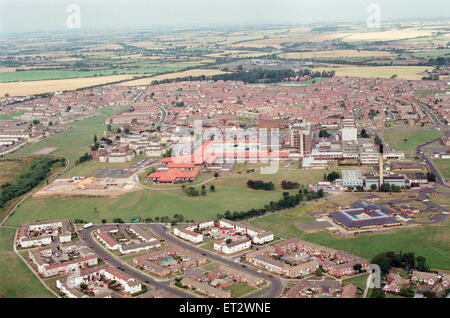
[211,266]
[231,194]
[358,281]
[407,139]
[239,289]
[444,167]
[10,116]
[16,280]
[432,242]
[72,143]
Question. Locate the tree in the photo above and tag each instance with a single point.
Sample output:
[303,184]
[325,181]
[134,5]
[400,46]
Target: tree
[357,268]
[364,133]
[216,174]
[324,133]
[407,291]
[212,188]
[228,241]
[373,187]
[429,294]
[332,176]
[378,140]
[385,187]
[378,293]
[431,177]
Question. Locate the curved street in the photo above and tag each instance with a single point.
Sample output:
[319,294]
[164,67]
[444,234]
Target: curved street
[161,231]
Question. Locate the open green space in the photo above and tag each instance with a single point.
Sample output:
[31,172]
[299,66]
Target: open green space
[433,53]
[444,167]
[432,242]
[407,139]
[231,194]
[10,116]
[74,142]
[239,289]
[61,74]
[16,280]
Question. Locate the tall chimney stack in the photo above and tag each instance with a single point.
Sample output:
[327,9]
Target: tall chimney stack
[381,166]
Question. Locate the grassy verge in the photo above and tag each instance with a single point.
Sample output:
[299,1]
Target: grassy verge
[16,280]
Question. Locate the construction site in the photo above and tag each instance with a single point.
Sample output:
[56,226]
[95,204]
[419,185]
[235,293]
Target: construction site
[89,186]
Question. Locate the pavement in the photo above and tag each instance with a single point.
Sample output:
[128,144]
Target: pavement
[272,291]
[161,231]
[86,236]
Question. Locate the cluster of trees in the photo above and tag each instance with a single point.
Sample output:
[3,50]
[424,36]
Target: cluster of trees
[364,133]
[96,144]
[261,185]
[431,177]
[324,133]
[288,185]
[83,158]
[432,77]
[193,192]
[439,61]
[286,202]
[386,187]
[331,176]
[257,75]
[35,173]
[407,261]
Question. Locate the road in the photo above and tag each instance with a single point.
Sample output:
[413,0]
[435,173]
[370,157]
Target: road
[163,114]
[430,164]
[160,230]
[270,292]
[87,238]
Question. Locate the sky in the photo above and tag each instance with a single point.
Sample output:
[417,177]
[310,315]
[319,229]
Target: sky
[48,15]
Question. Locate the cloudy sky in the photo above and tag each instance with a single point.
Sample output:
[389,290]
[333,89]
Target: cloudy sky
[44,15]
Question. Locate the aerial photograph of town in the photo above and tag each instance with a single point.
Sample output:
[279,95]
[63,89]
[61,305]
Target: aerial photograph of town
[251,151]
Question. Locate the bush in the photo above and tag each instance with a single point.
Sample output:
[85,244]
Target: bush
[261,185]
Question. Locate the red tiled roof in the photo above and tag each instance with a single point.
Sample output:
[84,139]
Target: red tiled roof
[107,238]
[172,174]
[117,274]
[75,261]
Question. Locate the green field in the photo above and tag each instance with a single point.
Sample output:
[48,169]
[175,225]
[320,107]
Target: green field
[444,167]
[10,116]
[407,139]
[61,74]
[16,280]
[165,200]
[433,54]
[432,242]
[239,289]
[74,142]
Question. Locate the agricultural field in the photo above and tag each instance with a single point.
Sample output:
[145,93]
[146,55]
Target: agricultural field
[19,282]
[404,72]
[334,54]
[47,86]
[389,35]
[433,53]
[407,139]
[64,74]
